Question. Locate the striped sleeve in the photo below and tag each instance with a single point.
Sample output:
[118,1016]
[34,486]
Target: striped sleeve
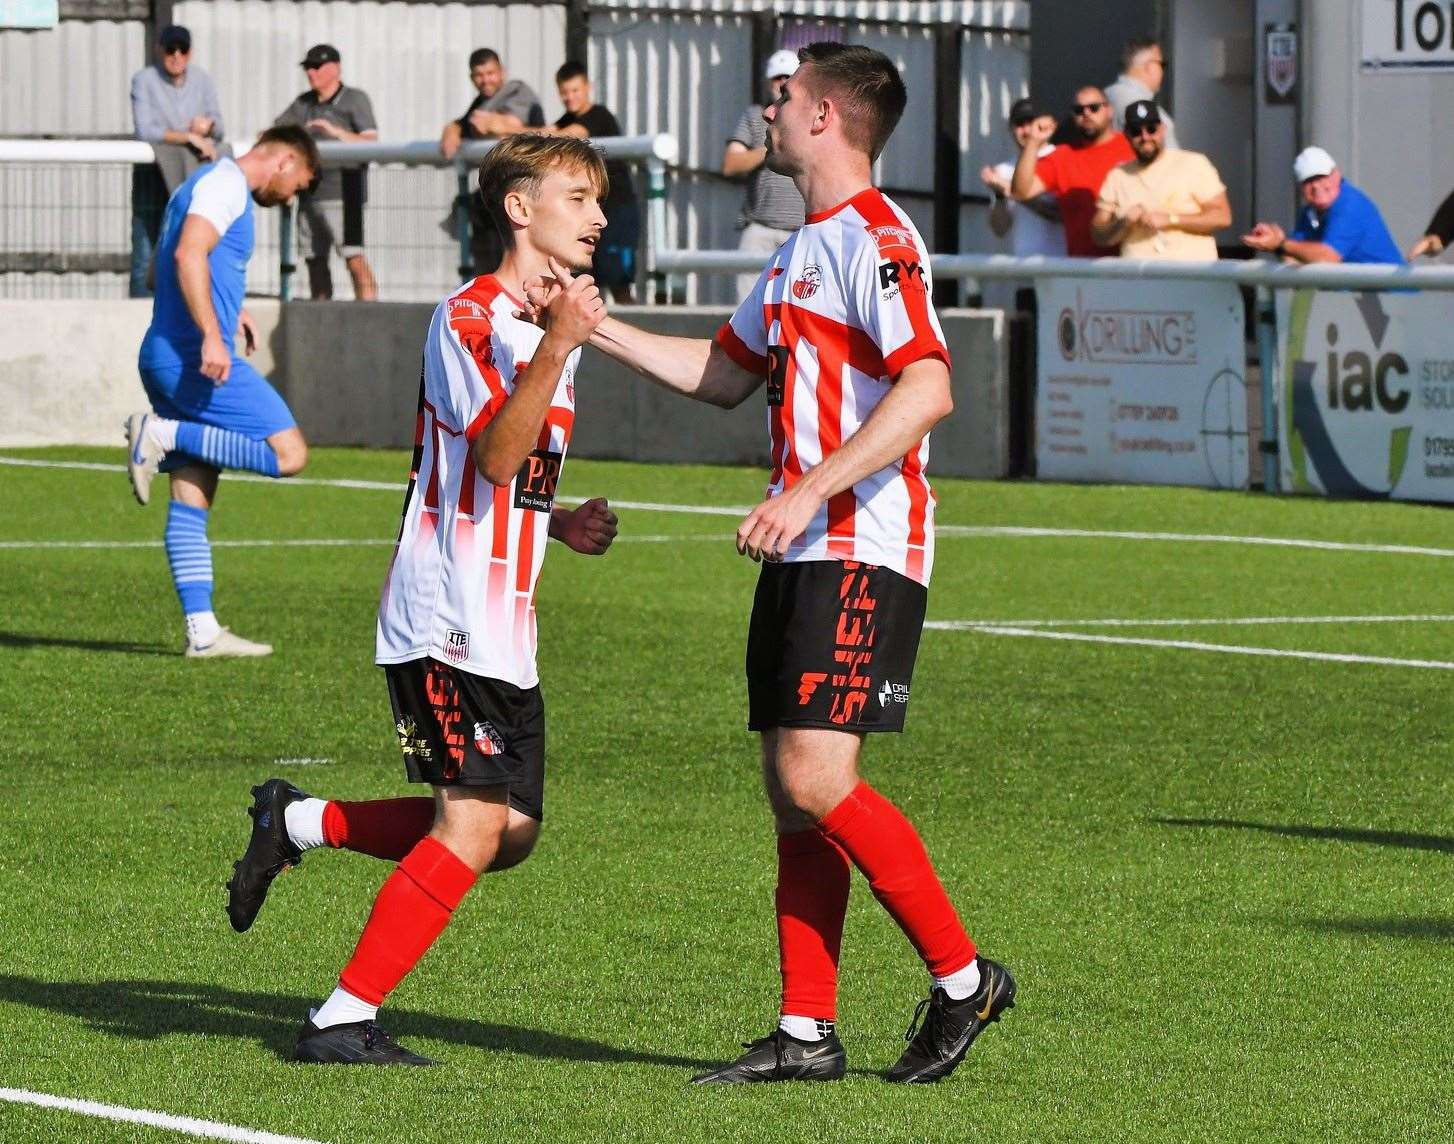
[743,337]
[470,387]
[891,289]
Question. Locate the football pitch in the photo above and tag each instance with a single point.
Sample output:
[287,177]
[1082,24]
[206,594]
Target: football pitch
[1193,786]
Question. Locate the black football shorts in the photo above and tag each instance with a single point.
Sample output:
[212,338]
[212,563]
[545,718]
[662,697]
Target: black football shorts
[459,729]
[832,644]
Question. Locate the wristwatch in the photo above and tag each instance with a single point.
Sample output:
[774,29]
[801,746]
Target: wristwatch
[1172,219]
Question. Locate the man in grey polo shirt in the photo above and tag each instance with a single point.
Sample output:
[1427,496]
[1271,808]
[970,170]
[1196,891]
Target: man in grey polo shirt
[772,208]
[330,215]
[174,107]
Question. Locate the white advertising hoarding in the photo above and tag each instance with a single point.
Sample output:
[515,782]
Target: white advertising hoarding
[1367,394]
[1408,34]
[1141,382]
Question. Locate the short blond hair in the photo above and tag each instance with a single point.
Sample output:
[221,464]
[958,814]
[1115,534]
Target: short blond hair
[520,162]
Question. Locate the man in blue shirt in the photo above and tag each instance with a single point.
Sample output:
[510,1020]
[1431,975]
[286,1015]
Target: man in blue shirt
[1337,222]
[210,409]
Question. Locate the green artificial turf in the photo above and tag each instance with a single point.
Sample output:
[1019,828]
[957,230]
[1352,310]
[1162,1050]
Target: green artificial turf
[1223,881]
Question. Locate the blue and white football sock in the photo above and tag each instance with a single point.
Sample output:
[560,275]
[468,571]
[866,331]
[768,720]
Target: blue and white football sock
[961,984]
[342,1008]
[805,1028]
[225,448]
[190,557]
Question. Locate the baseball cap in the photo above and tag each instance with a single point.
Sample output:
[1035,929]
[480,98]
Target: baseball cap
[784,61]
[1023,111]
[320,54]
[1311,163]
[175,36]
[1142,113]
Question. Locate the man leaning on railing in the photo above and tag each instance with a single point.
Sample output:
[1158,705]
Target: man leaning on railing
[1337,223]
[174,107]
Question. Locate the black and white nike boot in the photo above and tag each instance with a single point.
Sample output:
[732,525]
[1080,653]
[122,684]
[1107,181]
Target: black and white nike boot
[269,851]
[943,1030]
[780,1056]
[356,1043]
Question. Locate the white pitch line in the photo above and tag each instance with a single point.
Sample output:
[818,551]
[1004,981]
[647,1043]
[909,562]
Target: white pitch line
[944,531]
[1012,531]
[187,1125]
[645,538]
[1226,649]
[969,625]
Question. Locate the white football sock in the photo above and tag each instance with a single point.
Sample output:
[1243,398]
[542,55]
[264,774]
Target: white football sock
[805,1028]
[162,433]
[964,983]
[303,821]
[202,628]
[343,1008]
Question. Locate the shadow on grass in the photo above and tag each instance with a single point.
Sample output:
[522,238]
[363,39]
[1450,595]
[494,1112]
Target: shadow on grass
[1426,929]
[144,1010]
[1399,838]
[22,640]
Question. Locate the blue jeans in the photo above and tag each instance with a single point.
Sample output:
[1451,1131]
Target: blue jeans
[148,203]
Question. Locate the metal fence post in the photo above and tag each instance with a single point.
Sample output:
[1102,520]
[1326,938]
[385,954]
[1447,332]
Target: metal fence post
[1267,362]
[286,265]
[660,289]
[462,221]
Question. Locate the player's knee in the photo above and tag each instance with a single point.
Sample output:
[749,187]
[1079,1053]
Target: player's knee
[292,456]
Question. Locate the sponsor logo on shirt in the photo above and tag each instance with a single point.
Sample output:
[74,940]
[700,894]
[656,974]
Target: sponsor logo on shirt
[535,482]
[488,741]
[810,282]
[893,241]
[899,274]
[410,741]
[466,309]
[456,646]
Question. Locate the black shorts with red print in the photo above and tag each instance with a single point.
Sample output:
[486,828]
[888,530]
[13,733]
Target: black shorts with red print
[459,729]
[832,644]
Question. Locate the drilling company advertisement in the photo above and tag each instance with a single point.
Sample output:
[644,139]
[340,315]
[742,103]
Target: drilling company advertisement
[1367,394]
[1141,382]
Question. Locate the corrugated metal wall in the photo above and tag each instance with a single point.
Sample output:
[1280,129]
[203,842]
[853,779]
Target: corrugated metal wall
[412,59]
[73,79]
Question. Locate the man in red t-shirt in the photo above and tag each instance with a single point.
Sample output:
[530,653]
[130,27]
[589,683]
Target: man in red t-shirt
[1074,174]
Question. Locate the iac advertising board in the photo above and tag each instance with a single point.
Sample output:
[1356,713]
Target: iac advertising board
[1141,382]
[1367,405]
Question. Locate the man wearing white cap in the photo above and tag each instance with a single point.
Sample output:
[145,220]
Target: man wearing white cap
[1337,223]
[772,208]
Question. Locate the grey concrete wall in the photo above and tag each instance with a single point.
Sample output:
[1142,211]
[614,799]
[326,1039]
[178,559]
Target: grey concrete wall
[350,373]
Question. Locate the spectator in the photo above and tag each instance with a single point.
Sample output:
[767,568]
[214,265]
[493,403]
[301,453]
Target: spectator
[772,208]
[1162,204]
[1438,233]
[1034,226]
[501,107]
[1337,223]
[615,262]
[174,107]
[1143,71]
[330,213]
[1074,172]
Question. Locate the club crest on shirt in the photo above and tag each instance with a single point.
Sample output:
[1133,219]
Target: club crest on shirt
[807,285]
[456,646]
[488,741]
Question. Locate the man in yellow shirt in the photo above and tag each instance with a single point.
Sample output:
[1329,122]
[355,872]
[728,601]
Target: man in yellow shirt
[1164,203]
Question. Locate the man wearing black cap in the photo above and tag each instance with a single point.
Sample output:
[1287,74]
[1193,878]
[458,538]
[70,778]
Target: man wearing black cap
[1034,227]
[330,215]
[1164,203]
[174,107]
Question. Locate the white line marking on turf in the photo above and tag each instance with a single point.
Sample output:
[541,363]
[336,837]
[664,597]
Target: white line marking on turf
[944,531]
[967,625]
[1226,649]
[649,538]
[188,1125]
[303,762]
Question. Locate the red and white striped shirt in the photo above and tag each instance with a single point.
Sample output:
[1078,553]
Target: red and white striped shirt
[837,314]
[461,587]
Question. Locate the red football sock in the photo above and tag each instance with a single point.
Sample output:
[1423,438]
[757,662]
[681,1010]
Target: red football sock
[886,847]
[411,910]
[812,899]
[386,828]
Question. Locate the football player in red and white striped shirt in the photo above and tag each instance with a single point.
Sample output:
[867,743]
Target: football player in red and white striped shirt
[841,330]
[456,628]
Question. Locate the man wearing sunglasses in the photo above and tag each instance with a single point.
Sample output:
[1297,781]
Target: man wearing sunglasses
[174,107]
[1162,204]
[1073,173]
[1143,73]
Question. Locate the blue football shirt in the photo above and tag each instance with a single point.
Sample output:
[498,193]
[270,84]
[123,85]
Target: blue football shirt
[1352,226]
[218,193]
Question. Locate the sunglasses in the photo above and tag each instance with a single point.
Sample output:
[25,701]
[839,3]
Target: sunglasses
[1144,129]
[1085,108]
[176,51]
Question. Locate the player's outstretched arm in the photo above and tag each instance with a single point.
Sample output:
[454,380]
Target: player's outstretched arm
[194,278]
[694,367]
[919,400]
[569,318]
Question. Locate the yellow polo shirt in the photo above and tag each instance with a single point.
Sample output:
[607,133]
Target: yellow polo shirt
[1178,182]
